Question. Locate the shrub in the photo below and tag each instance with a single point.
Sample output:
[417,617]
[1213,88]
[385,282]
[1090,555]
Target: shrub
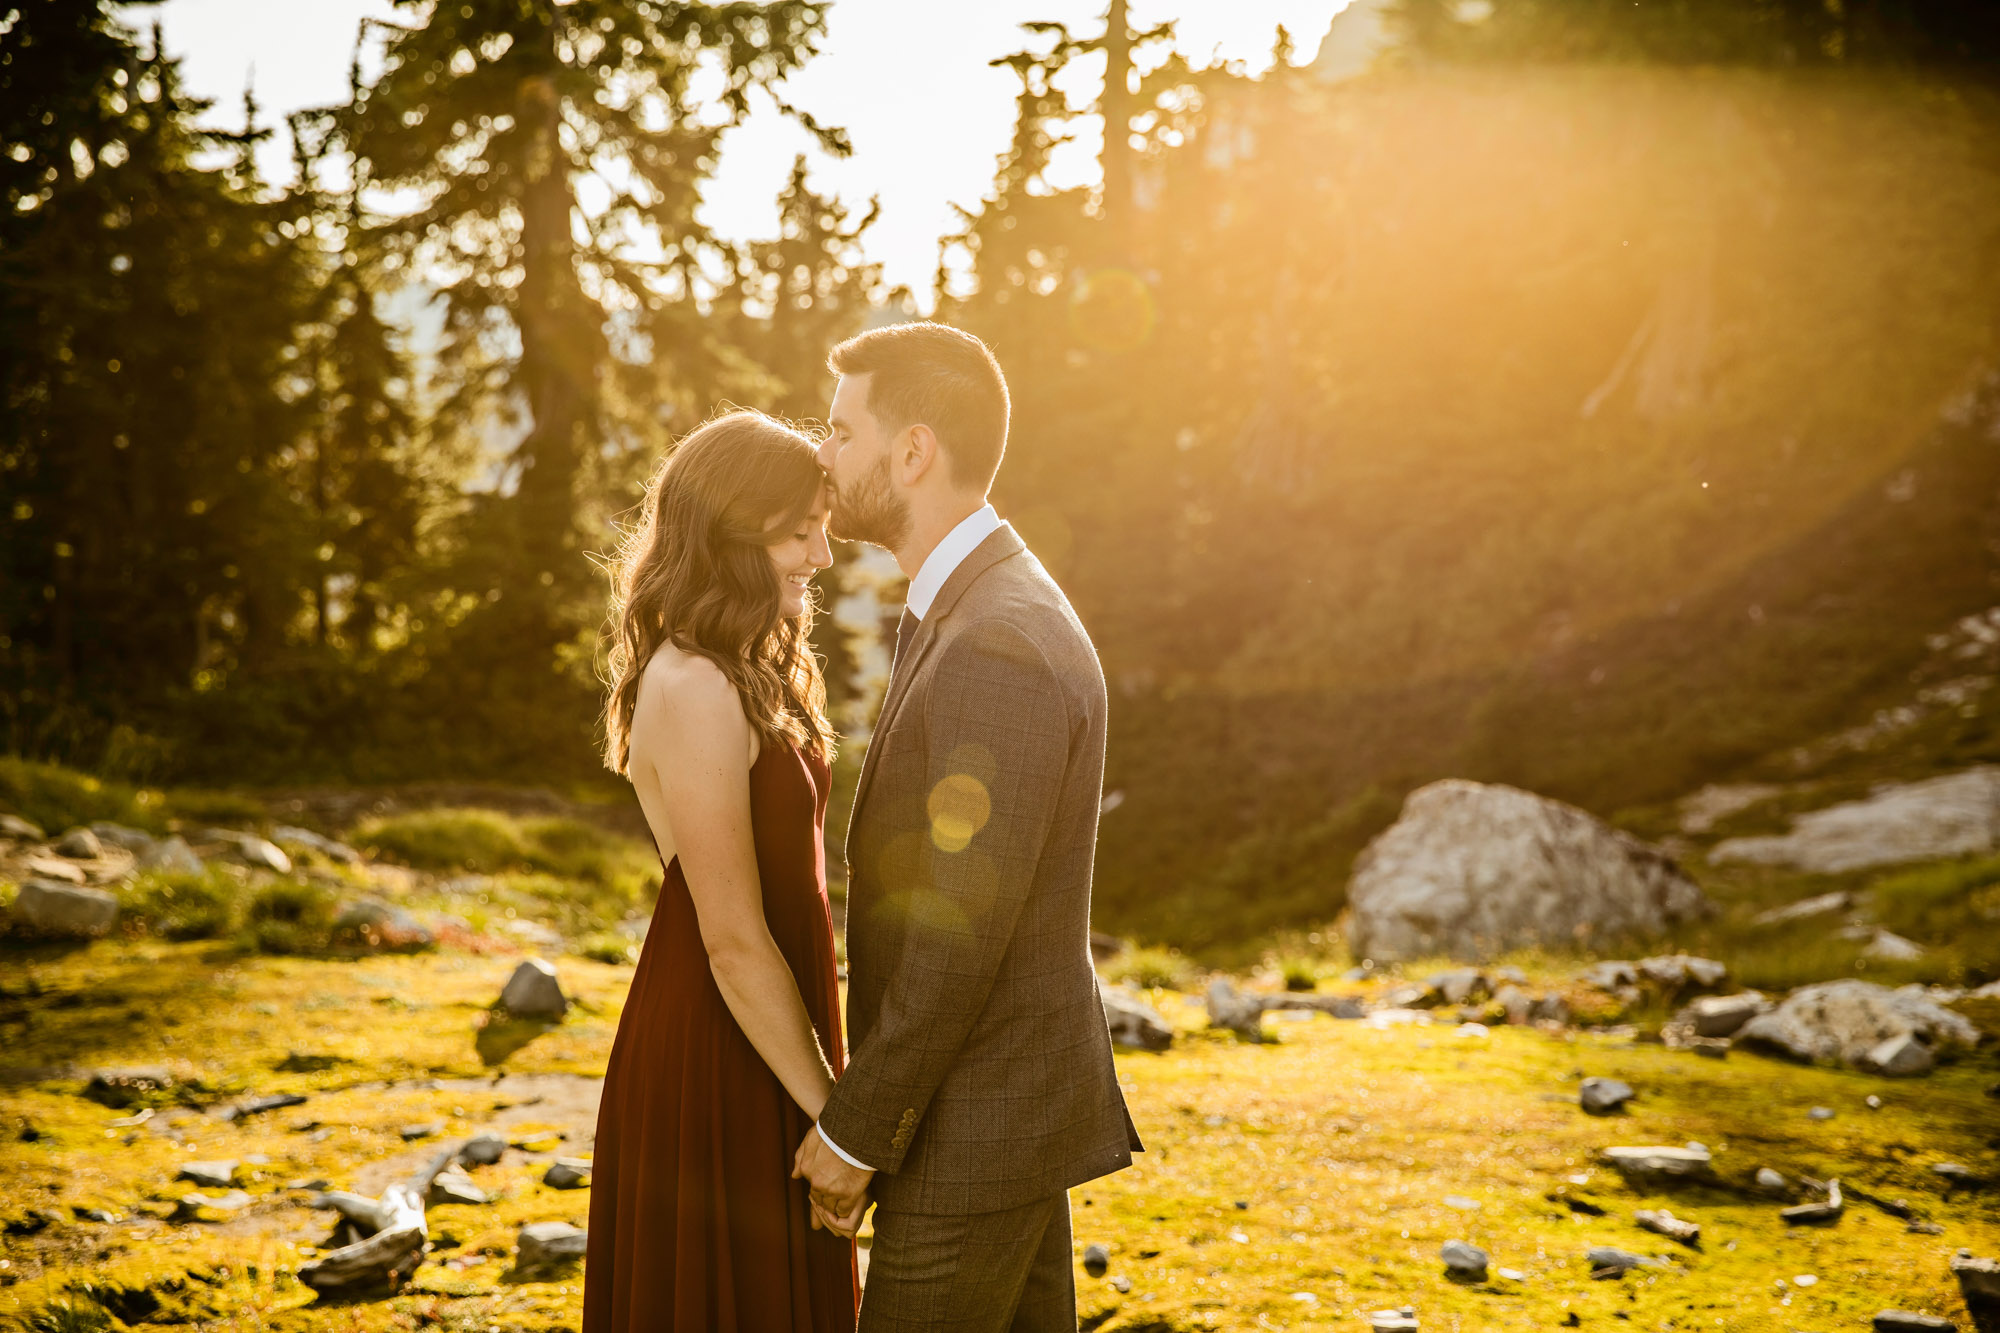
[185,907]
[290,916]
[480,841]
[58,798]
[1299,972]
[1149,968]
[608,946]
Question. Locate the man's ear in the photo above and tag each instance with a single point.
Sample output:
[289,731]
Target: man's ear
[917,452]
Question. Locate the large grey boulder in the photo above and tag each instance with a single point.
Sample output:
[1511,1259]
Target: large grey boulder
[1978,1280]
[1955,815]
[66,911]
[1132,1021]
[1849,1021]
[1473,870]
[534,992]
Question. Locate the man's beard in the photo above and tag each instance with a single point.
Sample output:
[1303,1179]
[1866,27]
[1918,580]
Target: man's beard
[870,511]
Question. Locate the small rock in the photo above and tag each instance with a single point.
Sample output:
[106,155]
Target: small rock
[1978,1279]
[1132,1021]
[425,1131]
[1722,1015]
[1920,1228]
[1663,1223]
[65,911]
[56,870]
[171,856]
[80,844]
[1516,1003]
[337,852]
[534,992]
[119,1088]
[1550,1008]
[1096,1260]
[1461,987]
[135,841]
[1412,995]
[1510,974]
[1823,905]
[1908,1321]
[1904,1055]
[252,850]
[452,1185]
[1460,1202]
[189,1207]
[96,1215]
[1816,1214]
[1872,1102]
[1610,976]
[1607,1261]
[1463,1262]
[1402,1320]
[1680,971]
[1713,1048]
[1602,1096]
[1893,948]
[375,924]
[541,1245]
[482,1149]
[1772,1183]
[1660,1164]
[1122,1285]
[567,1173]
[17,829]
[209,1175]
[1820,1113]
[1956,1176]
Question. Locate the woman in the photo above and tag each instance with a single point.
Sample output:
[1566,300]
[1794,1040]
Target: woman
[730,1040]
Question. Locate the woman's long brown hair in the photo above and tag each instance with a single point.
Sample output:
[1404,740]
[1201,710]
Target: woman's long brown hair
[696,573]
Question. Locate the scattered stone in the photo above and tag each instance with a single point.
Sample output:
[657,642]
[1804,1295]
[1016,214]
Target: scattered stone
[1471,869]
[1122,1285]
[567,1173]
[1909,1321]
[534,992]
[1816,1214]
[1722,1015]
[188,1208]
[1412,995]
[1663,1223]
[1515,1003]
[80,844]
[482,1149]
[1612,976]
[1096,1260]
[119,1088]
[95,1215]
[1510,974]
[171,856]
[1772,1183]
[546,1245]
[1607,1261]
[1602,1096]
[1680,971]
[1935,819]
[56,870]
[1239,1012]
[337,852]
[1956,1175]
[1847,1020]
[65,911]
[1551,1008]
[1714,1048]
[135,841]
[1461,987]
[1820,1113]
[1978,1279]
[1922,1228]
[1660,1165]
[1460,1202]
[1824,904]
[1132,1021]
[454,1186]
[209,1175]
[1463,1262]
[409,1133]
[20,830]
[1400,1320]
[1890,947]
[1904,1055]
[375,924]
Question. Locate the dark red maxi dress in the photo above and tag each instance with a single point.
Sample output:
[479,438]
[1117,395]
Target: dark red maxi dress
[695,1220]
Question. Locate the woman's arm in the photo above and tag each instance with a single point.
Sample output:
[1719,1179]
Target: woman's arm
[691,740]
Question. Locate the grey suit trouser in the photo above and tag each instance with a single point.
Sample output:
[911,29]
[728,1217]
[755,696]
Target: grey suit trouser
[1005,1272]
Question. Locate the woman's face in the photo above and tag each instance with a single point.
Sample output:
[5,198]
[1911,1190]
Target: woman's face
[799,555]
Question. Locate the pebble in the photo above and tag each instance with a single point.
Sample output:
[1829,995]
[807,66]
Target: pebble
[567,1173]
[431,1130]
[1460,1202]
[1403,1320]
[1956,1175]
[1463,1261]
[533,991]
[454,1186]
[1821,1113]
[1663,1223]
[209,1175]
[1096,1260]
[1909,1321]
[19,829]
[1602,1096]
[80,844]
[1816,1214]
[1771,1182]
[545,1244]
[1122,1285]
[482,1149]
[1608,1261]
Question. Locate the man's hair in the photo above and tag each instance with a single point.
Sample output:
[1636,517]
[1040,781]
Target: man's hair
[931,375]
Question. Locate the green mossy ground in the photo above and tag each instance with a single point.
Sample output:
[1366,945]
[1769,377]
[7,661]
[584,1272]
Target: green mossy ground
[1342,1140]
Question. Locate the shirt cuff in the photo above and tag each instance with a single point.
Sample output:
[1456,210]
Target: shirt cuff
[838,1152]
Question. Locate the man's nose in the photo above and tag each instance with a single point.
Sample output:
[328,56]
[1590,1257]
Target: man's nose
[826,452]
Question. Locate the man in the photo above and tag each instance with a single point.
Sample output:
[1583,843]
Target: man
[979,1086]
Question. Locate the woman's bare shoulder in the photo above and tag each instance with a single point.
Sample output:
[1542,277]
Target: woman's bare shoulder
[686,692]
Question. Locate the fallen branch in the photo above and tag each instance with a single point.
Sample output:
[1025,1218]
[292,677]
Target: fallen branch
[394,1230]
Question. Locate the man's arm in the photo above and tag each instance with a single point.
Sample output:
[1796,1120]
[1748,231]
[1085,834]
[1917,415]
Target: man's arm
[996,728]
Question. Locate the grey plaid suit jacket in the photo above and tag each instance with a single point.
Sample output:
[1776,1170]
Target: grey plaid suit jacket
[979,1075]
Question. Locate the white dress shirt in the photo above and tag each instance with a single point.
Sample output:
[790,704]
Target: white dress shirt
[937,569]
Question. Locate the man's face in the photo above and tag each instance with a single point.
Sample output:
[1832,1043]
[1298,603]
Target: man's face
[856,456]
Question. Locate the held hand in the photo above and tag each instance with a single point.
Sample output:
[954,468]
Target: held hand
[839,1190]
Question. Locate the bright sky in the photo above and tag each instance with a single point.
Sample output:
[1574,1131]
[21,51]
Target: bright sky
[907,78]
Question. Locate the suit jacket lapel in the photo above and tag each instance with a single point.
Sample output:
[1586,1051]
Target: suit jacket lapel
[999,545]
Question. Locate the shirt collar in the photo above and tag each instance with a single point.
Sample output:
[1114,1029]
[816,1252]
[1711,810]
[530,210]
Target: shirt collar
[947,556]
